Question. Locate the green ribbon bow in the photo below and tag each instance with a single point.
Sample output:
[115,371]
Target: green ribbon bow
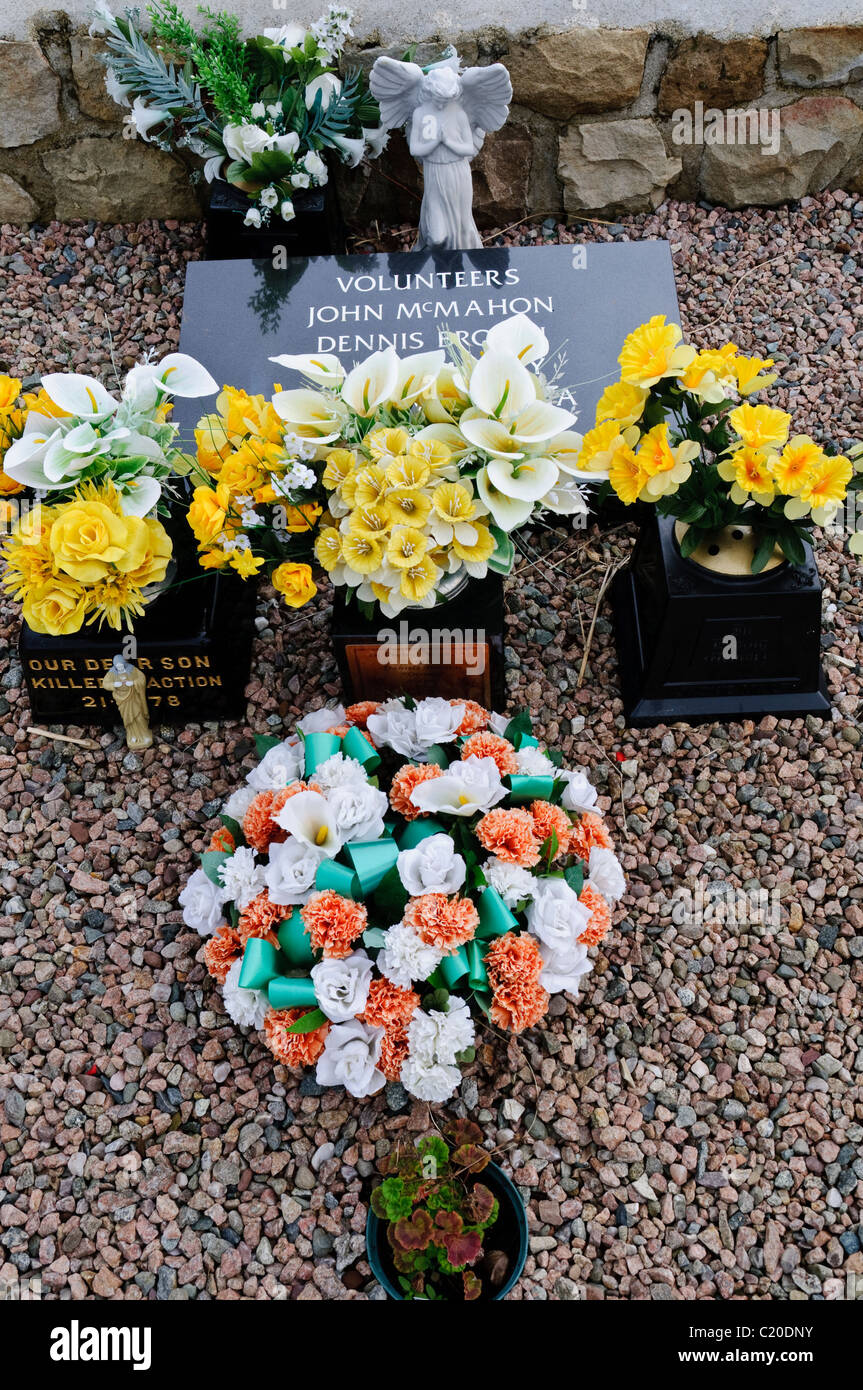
[418,830]
[495,919]
[318,747]
[526,788]
[265,967]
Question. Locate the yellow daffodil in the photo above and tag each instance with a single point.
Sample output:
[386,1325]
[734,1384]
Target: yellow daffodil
[666,466]
[622,403]
[749,472]
[752,374]
[793,466]
[246,563]
[340,464]
[760,426]
[213,559]
[370,486]
[409,506]
[386,444]
[431,451]
[452,502]
[855,545]
[294,583]
[419,580]
[362,553]
[476,556]
[626,474]
[826,487]
[408,471]
[652,352]
[328,548]
[709,375]
[406,547]
[370,521]
[599,448]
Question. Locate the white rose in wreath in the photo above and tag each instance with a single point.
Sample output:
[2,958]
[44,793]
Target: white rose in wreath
[433,867]
[579,794]
[437,720]
[605,873]
[278,768]
[342,986]
[555,916]
[322,719]
[202,901]
[290,874]
[563,969]
[350,1059]
[359,811]
[243,142]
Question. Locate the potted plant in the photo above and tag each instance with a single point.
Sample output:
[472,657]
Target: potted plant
[92,478]
[718,614]
[264,114]
[437,1231]
[431,464]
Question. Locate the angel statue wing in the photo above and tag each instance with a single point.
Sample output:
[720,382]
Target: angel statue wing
[396,87]
[486,94]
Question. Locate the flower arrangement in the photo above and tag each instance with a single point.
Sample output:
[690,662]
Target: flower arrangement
[13,412]
[258,501]
[438,1215]
[431,465]
[91,544]
[360,928]
[678,430]
[261,112]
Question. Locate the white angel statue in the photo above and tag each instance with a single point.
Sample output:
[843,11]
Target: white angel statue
[449,113]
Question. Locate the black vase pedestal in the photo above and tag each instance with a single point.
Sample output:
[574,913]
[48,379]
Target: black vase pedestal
[315,230]
[696,646]
[454,650]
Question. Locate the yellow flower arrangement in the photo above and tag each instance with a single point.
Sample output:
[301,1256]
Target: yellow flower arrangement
[83,561]
[671,433]
[12,417]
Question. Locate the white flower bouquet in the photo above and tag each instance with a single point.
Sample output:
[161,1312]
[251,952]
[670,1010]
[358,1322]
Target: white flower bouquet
[362,930]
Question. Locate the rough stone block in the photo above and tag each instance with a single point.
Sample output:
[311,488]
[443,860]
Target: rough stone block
[89,75]
[719,74]
[29,93]
[115,180]
[16,205]
[582,70]
[610,167]
[821,57]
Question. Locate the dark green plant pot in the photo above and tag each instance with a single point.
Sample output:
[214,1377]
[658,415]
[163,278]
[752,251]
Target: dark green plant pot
[509,1233]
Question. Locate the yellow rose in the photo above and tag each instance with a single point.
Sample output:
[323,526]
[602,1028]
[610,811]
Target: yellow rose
[294,583]
[242,472]
[154,566]
[10,390]
[8,486]
[211,437]
[207,513]
[88,538]
[56,607]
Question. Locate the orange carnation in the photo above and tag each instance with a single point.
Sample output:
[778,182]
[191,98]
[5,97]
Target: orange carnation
[221,951]
[600,915]
[442,922]
[333,923]
[390,1008]
[587,833]
[359,713]
[475,717]
[486,745]
[261,918]
[394,1050]
[511,835]
[404,782]
[259,824]
[294,1049]
[222,840]
[514,963]
[547,819]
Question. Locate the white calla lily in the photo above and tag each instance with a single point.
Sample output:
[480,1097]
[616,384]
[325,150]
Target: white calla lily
[415,375]
[491,436]
[465,788]
[140,495]
[310,819]
[565,498]
[24,459]
[539,422]
[507,512]
[80,395]
[322,368]
[565,449]
[182,375]
[518,337]
[309,411]
[351,150]
[371,383]
[527,479]
[501,385]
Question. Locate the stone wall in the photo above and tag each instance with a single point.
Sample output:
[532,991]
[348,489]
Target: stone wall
[604,121]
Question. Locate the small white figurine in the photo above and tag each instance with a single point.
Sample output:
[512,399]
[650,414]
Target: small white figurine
[449,113]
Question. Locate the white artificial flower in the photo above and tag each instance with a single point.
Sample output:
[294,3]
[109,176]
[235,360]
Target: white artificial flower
[532,762]
[241,878]
[434,1083]
[141,120]
[350,1059]
[243,142]
[279,767]
[339,771]
[288,36]
[342,985]
[330,717]
[465,788]
[115,89]
[286,210]
[246,1007]
[404,957]
[512,883]
[439,1036]
[202,901]
[328,85]
[290,872]
[253,218]
[562,969]
[239,802]
[432,867]
[579,794]
[520,337]
[274,109]
[300,180]
[437,720]
[377,139]
[498,723]
[288,143]
[412,732]
[605,874]
[555,916]
[314,165]
[309,817]
[269,197]
[259,111]
[351,150]
[359,810]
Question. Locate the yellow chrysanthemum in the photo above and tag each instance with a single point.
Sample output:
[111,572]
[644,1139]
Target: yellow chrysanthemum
[328,548]
[406,546]
[793,466]
[418,581]
[652,352]
[622,403]
[749,471]
[760,426]
[116,600]
[362,553]
[408,471]
[626,474]
[387,444]
[340,464]
[409,506]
